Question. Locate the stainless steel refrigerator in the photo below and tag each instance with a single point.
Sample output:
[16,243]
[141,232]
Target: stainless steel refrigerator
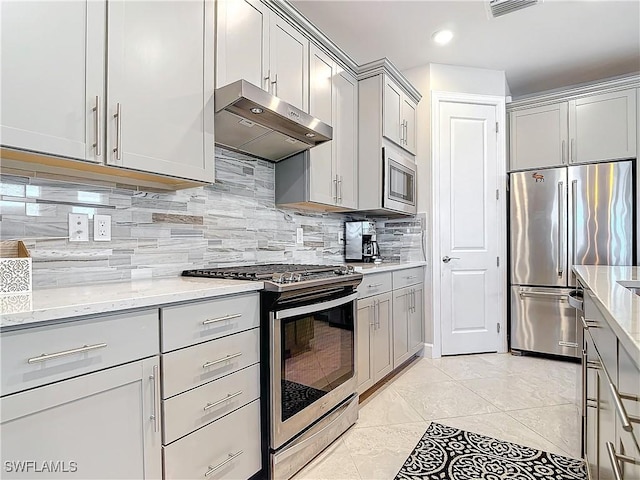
[560,217]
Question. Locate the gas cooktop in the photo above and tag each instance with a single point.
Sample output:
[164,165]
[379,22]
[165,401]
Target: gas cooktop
[279,277]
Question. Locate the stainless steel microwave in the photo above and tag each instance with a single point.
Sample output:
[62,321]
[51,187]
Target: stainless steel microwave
[399,178]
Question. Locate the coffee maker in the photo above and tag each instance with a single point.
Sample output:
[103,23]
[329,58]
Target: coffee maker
[360,242]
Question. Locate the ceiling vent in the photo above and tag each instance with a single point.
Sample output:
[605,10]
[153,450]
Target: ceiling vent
[497,8]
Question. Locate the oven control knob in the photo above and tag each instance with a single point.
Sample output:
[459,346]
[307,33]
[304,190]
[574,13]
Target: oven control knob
[278,278]
[297,277]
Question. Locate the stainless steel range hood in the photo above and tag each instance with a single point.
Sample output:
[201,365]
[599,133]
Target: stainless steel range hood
[253,121]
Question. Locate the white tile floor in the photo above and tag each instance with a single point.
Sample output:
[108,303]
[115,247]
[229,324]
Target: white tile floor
[525,400]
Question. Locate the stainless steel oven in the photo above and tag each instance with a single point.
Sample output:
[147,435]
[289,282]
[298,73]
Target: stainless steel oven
[399,192]
[312,372]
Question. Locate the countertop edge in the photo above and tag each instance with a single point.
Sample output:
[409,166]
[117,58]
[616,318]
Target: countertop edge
[40,317]
[368,268]
[623,336]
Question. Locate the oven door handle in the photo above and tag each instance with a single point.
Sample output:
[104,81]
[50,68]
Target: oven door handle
[314,307]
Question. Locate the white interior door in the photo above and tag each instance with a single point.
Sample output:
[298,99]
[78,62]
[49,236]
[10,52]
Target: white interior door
[470,292]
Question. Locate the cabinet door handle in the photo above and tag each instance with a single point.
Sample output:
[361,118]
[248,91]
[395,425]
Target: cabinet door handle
[267,79]
[572,151]
[406,132]
[222,400]
[413,301]
[220,360]
[340,189]
[118,117]
[564,160]
[155,416]
[275,86]
[96,126]
[335,188]
[50,356]
[378,313]
[231,457]
[372,315]
[221,319]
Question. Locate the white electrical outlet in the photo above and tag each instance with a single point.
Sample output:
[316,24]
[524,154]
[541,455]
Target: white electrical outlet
[340,237]
[299,236]
[102,228]
[78,227]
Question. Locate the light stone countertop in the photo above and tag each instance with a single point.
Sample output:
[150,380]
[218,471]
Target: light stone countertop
[68,302]
[620,306]
[366,268]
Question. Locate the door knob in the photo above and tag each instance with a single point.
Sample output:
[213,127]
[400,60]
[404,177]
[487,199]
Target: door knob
[446,259]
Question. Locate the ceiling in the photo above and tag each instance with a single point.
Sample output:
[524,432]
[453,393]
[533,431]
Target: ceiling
[550,45]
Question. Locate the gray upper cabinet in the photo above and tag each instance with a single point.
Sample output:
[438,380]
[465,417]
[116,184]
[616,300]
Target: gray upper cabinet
[399,116]
[101,425]
[578,129]
[160,87]
[53,77]
[156,59]
[539,137]
[242,43]
[327,175]
[603,127]
[257,45]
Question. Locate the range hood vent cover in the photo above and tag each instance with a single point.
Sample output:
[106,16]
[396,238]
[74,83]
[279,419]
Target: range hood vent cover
[497,8]
[253,121]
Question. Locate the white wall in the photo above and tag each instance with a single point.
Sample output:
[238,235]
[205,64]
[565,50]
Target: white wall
[444,78]
[451,78]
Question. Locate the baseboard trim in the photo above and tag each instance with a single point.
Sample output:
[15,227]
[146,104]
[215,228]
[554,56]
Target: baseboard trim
[427,350]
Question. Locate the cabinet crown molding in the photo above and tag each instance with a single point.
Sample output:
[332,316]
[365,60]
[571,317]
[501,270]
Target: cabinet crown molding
[384,65]
[545,98]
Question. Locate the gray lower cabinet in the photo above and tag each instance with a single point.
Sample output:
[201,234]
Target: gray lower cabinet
[100,425]
[375,339]
[211,389]
[611,401]
[407,323]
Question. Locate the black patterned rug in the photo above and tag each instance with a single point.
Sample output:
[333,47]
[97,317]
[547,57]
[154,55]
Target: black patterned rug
[447,453]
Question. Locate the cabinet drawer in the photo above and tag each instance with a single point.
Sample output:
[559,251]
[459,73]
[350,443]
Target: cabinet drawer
[374,283]
[193,409]
[185,325]
[41,355]
[190,367]
[230,447]
[410,276]
[603,337]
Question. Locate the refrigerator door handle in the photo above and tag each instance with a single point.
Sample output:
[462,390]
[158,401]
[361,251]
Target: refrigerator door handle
[574,211]
[561,246]
[563,297]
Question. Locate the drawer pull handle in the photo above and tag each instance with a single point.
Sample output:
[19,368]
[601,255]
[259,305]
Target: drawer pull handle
[220,360]
[222,400]
[615,457]
[49,356]
[222,319]
[410,277]
[587,324]
[617,403]
[374,285]
[627,396]
[231,457]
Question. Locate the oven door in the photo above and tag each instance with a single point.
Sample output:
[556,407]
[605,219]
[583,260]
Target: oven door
[312,363]
[399,182]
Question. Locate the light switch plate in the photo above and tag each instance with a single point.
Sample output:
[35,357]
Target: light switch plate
[102,228]
[78,227]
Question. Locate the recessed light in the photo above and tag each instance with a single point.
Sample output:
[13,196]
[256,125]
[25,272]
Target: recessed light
[310,135]
[442,37]
[256,110]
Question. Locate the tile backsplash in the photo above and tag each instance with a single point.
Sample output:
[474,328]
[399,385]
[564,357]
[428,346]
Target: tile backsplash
[234,221]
